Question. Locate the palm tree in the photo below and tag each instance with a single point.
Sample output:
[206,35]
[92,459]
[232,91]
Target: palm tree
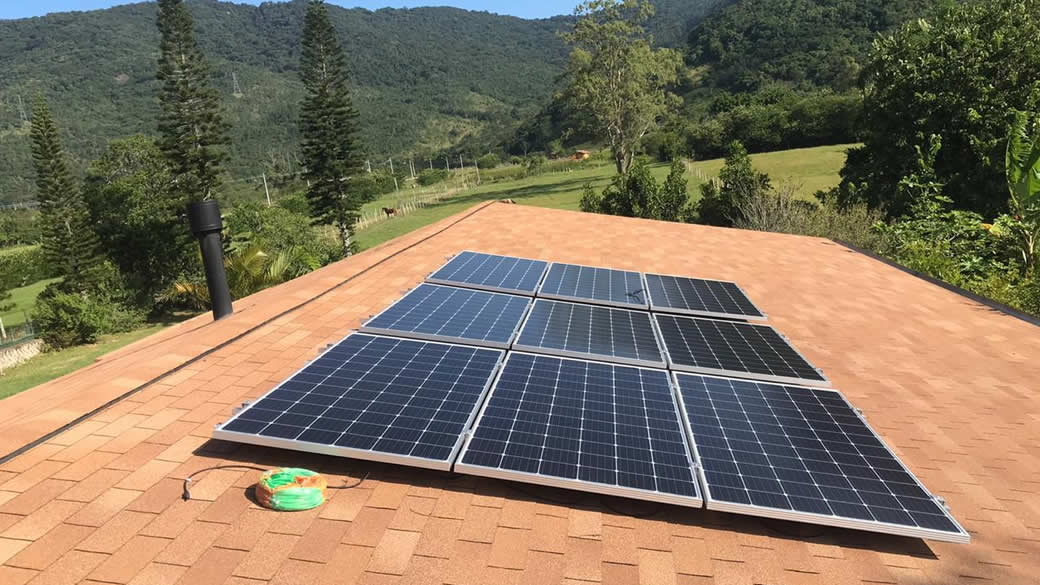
[249,270]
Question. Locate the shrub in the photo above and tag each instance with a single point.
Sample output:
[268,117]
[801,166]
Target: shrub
[68,318]
[433,176]
[778,210]
[516,160]
[488,161]
[738,182]
[296,203]
[23,266]
[665,146]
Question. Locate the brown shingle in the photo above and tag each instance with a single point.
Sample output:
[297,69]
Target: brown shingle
[41,553]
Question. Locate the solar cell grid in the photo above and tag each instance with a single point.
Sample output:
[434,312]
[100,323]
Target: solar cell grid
[605,286]
[803,454]
[584,425]
[698,296]
[372,397]
[730,348]
[491,272]
[443,313]
[578,330]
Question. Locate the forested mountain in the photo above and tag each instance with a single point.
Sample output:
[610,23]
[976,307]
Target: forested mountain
[804,43]
[426,79]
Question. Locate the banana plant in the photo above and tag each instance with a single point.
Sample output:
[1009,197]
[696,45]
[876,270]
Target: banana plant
[1022,164]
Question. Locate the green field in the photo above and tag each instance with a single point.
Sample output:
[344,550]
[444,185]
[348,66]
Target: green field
[809,169]
[24,298]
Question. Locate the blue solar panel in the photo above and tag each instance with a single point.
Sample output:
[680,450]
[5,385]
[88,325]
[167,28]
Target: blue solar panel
[803,454]
[371,397]
[709,346]
[490,272]
[583,425]
[697,296]
[603,286]
[589,331]
[459,315]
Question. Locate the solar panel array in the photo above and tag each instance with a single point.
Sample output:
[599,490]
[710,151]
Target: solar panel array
[589,331]
[491,272]
[373,397]
[698,296]
[444,313]
[601,286]
[607,388]
[803,454]
[592,426]
[737,349]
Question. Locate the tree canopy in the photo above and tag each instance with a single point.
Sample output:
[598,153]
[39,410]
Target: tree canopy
[618,80]
[973,66]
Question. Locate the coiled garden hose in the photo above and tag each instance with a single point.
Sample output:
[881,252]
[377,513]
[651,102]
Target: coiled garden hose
[287,489]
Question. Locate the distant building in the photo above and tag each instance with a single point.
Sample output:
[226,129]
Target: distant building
[581,155]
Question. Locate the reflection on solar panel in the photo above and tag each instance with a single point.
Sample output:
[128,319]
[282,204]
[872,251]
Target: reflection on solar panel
[379,398]
[696,296]
[490,272]
[445,313]
[583,425]
[603,286]
[803,454]
[744,350]
[587,331]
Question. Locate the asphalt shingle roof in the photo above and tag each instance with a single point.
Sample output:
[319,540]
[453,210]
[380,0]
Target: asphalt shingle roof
[949,383]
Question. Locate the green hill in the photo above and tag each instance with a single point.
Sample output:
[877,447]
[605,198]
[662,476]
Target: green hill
[426,79]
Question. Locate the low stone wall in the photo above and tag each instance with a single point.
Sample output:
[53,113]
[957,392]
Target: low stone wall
[12,356]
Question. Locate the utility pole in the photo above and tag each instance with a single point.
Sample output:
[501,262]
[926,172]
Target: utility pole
[431,164]
[235,87]
[477,166]
[446,165]
[368,163]
[264,175]
[396,187]
[411,167]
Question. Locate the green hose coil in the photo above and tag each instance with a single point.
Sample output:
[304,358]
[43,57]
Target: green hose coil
[291,489]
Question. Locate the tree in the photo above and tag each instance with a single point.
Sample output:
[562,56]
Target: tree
[1022,161]
[329,129]
[959,76]
[67,237]
[129,190]
[190,122]
[671,199]
[738,181]
[616,78]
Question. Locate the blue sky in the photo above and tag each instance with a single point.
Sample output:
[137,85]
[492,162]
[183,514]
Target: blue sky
[523,8]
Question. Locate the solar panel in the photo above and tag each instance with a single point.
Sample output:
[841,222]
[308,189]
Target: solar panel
[582,425]
[445,313]
[744,350]
[378,398]
[602,286]
[803,454]
[589,331]
[697,296]
[490,272]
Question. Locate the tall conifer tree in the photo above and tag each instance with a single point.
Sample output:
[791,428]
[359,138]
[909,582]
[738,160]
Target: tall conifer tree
[68,239]
[190,123]
[329,128]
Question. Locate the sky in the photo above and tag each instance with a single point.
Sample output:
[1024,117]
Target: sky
[524,8]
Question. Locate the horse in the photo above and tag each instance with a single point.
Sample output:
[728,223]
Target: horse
[389,211]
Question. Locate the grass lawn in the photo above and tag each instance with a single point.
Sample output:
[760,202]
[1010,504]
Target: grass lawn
[811,169]
[48,366]
[24,298]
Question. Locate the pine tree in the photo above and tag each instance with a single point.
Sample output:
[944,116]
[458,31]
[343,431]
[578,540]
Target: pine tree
[68,239]
[329,129]
[190,120]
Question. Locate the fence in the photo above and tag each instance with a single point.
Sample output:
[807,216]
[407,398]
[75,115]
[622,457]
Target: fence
[404,207]
[16,334]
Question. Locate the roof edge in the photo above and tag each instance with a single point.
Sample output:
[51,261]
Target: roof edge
[996,306]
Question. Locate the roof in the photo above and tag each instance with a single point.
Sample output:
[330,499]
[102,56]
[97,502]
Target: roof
[949,383]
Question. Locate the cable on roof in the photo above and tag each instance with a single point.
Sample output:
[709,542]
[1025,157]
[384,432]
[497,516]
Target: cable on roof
[286,489]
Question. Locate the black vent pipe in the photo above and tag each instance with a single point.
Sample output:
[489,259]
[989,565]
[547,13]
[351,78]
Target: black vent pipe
[206,225]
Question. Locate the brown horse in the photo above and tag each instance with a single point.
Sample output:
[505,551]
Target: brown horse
[389,211]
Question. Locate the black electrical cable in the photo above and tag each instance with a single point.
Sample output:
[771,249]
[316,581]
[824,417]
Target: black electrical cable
[186,495]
